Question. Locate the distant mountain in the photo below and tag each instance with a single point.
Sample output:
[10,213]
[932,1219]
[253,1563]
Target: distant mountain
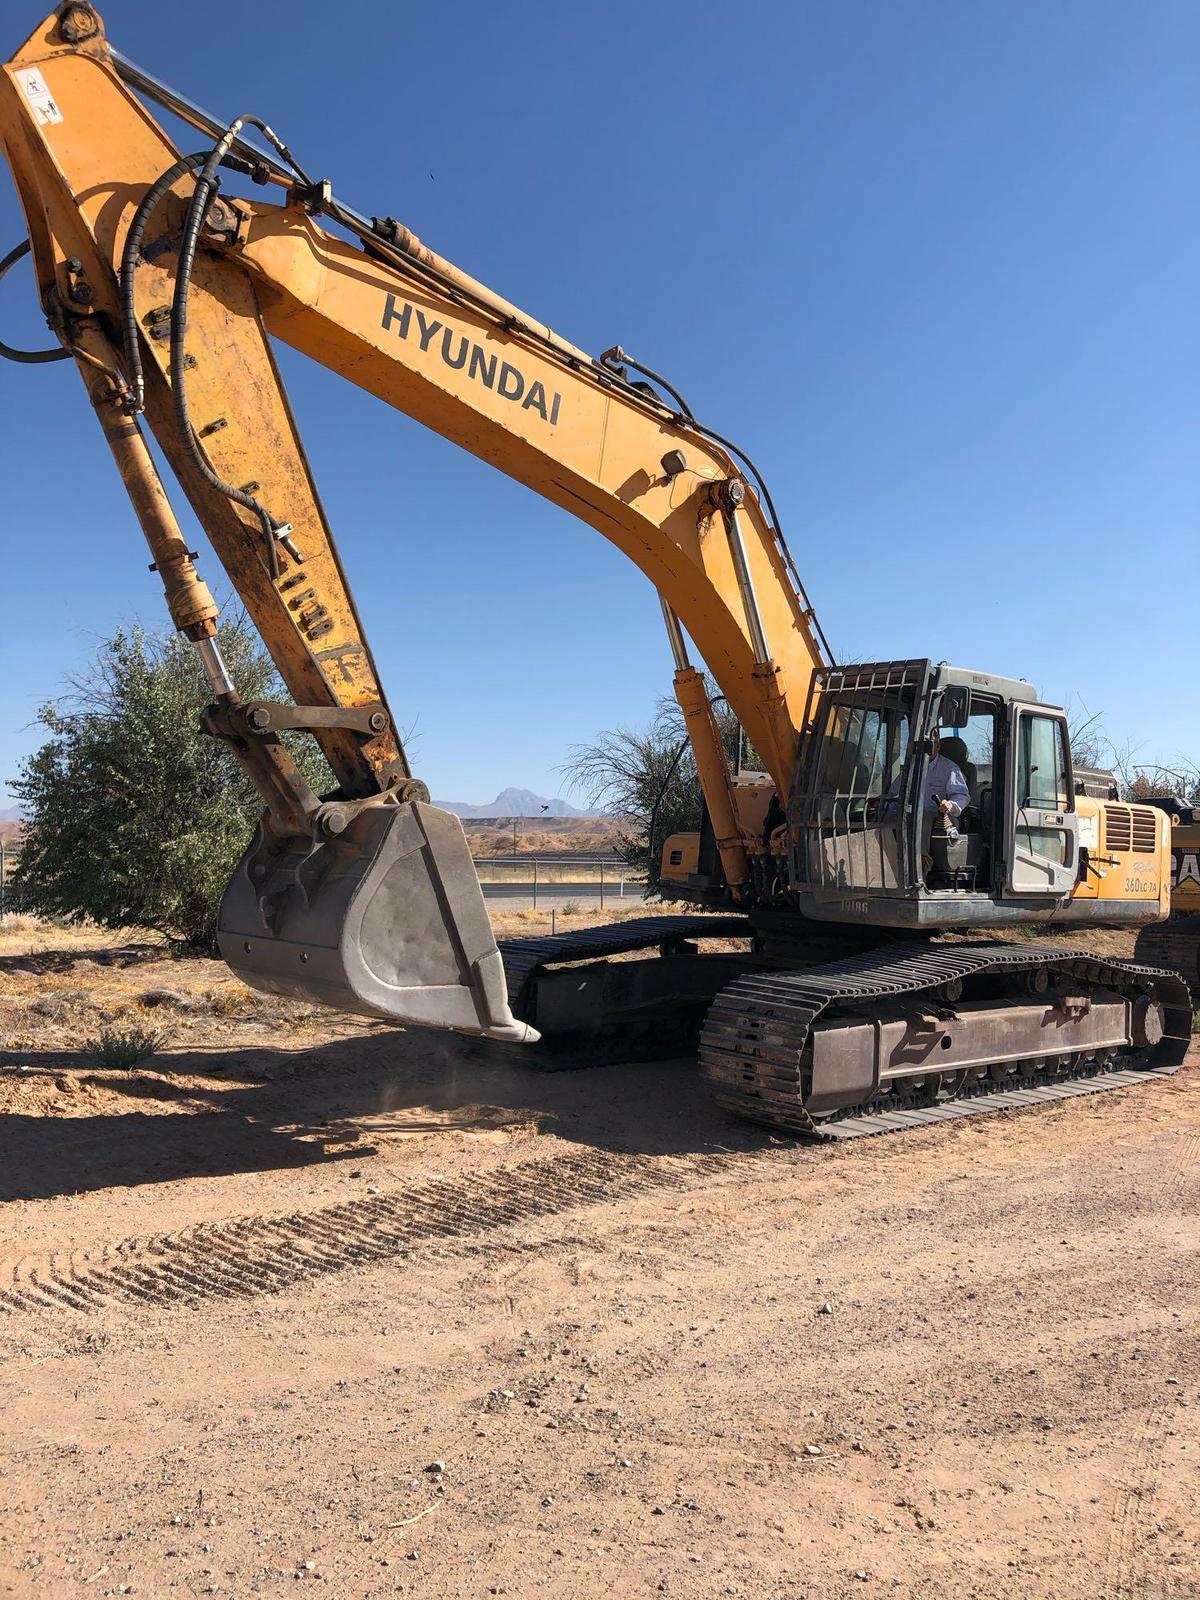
[12,814]
[513,803]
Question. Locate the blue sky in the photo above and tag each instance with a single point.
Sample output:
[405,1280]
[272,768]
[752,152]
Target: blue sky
[934,265]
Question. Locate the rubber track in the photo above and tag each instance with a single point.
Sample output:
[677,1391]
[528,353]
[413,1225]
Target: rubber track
[264,1255]
[524,958]
[756,1029]
[1174,944]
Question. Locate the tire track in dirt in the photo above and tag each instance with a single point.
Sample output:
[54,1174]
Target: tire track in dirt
[1127,1575]
[1127,1578]
[258,1254]
[271,1254]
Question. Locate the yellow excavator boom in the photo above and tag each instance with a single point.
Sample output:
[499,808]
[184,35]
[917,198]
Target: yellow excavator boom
[168,307]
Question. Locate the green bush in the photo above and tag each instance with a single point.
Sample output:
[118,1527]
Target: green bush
[133,815]
[124,1047]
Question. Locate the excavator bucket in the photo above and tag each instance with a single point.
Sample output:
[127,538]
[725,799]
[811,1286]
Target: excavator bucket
[385,917]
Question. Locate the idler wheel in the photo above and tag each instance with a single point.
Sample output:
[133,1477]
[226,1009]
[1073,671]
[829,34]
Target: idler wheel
[1148,1022]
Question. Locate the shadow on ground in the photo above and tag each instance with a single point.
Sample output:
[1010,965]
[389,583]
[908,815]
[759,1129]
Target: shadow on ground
[40,962]
[337,1102]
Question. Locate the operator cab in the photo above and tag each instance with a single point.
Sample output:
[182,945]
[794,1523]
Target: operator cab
[867,840]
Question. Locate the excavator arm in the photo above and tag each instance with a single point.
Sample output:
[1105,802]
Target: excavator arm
[166,289]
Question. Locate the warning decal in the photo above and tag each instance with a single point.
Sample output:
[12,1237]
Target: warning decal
[45,108]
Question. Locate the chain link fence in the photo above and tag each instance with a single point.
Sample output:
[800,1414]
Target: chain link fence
[557,880]
[524,880]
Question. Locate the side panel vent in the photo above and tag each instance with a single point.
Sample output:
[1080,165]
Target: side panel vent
[1145,830]
[1118,828]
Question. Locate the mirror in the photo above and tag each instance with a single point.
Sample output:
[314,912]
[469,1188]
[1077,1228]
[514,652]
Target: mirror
[956,706]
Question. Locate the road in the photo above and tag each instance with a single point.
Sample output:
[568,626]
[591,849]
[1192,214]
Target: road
[520,896]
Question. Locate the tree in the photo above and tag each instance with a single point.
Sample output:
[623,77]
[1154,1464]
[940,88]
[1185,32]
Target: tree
[133,816]
[1143,778]
[1136,776]
[1085,734]
[628,772]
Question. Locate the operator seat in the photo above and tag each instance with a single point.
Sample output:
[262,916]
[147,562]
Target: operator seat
[975,828]
[955,750]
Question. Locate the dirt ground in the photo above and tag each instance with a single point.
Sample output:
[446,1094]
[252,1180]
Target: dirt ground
[308,1303]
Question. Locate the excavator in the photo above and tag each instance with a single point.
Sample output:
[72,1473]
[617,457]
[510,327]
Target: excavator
[867,976]
[1176,942]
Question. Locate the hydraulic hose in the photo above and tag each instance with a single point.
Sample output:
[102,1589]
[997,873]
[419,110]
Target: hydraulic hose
[207,183]
[616,358]
[728,444]
[375,240]
[30,358]
[129,260]
[198,209]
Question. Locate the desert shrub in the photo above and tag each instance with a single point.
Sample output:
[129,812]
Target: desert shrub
[647,779]
[123,1048]
[132,814]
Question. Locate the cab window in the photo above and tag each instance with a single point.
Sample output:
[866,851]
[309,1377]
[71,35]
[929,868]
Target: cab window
[865,749]
[971,746]
[979,736]
[1042,764]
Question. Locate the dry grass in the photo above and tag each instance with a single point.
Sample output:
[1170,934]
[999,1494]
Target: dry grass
[232,999]
[22,934]
[555,836]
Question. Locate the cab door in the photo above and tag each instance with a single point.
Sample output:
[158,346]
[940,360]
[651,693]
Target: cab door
[1041,828]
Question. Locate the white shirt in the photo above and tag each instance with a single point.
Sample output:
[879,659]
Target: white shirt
[945,780]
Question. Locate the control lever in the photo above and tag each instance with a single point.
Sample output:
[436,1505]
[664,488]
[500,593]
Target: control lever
[949,826]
